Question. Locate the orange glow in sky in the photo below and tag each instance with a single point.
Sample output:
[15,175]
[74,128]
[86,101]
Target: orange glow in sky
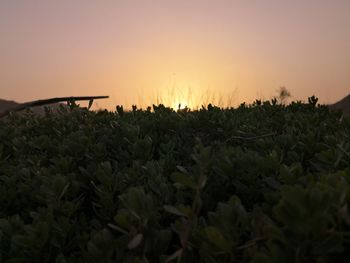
[187,52]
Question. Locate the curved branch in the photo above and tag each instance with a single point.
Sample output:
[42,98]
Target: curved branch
[35,103]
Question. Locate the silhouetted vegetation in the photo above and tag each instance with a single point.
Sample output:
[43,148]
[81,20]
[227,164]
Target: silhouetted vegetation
[265,182]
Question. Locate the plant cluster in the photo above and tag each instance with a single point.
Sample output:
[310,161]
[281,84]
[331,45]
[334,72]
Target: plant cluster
[265,182]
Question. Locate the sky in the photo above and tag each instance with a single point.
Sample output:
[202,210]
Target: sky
[185,51]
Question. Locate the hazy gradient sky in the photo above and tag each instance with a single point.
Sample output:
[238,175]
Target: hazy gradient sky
[138,50]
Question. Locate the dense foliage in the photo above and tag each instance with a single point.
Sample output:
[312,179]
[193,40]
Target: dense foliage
[259,183]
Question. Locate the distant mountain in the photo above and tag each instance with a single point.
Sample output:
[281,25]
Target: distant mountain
[343,104]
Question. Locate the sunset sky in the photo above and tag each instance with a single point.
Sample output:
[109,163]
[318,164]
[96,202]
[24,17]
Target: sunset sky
[183,51]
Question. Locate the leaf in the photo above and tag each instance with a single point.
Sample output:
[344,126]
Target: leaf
[22,241]
[183,179]
[202,181]
[215,237]
[261,258]
[122,219]
[135,242]
[175,255]
[273,183]
[182,169]
[60,259]
[173,210]
[316,198]
[118,228]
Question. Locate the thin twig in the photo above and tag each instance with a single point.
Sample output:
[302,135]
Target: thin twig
[251,138]
[35,103]
[251,243]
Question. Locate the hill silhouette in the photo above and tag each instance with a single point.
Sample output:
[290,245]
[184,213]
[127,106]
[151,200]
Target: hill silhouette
[343,104]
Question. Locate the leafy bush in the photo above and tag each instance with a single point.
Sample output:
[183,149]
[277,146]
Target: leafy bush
[261,183]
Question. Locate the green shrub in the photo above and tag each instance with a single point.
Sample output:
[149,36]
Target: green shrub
[261,183]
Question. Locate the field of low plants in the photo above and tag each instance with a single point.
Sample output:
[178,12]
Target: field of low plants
[259,183]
